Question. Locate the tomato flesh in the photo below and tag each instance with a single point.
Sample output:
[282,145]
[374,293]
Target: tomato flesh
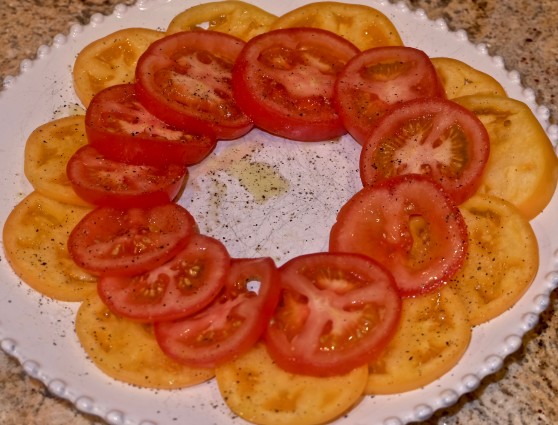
[232,324]
[126,242]
[284,79]
[337,312]
[185,80]
[410,225]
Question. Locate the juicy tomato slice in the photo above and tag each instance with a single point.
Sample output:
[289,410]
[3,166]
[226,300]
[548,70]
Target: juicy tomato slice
[100,181]
[434,137]
[185,80]
[232,324]
[410,225]
[126,242]
[180,287]
[318,328]
[122,129]
[284,79]
[376,79]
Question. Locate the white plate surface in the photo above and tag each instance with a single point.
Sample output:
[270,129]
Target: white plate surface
[225,200]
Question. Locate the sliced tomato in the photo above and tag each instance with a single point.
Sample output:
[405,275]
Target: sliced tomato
[126,242]
[100,181]
[337,312]
[434,137]
[122,129]
[410,225]
[178,288]
[376,79]
[185,80]
[232,324]
[284,79]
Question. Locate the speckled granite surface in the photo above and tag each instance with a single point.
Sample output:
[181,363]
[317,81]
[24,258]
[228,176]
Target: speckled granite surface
[523,32]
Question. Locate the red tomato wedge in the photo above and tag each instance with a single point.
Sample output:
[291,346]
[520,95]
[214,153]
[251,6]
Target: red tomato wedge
[434,137]
[232,324]
[185,80]
[122,129]
[130,241]
[182,286]
[104,182]
[410,225]
[377,79]
[283,80]
[337,312]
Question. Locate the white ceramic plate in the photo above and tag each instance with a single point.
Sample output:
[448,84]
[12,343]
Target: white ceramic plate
[225,200]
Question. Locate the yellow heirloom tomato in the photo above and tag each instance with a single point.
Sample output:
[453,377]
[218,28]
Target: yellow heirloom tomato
[35,237]
[127,351]
[460,79]
[362,25]
[257,390]
[243,20]
[522,167]
[110,60]
[502,259]
[47,151]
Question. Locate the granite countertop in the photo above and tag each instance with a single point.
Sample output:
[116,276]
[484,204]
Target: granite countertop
[523,32]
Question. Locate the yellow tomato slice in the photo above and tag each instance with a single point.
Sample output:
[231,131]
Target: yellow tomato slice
[110,60]
[363,25]
[47,151]
[460,79]
[243,20]
[433,334]
[256,389]
[127,351]
[35,237]
[502,261]
[522,167]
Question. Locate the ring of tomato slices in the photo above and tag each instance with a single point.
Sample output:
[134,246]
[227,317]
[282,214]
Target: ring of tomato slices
[283,80]
[318,328]
[184,79]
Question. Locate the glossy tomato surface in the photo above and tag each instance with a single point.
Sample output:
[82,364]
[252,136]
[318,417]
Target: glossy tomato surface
[232,324]
[185,80]
[337,312]
[434,137]
[126,242]
[121,128]
[182,286]
[284,79]
[408,224]
[104,182]
[376,79]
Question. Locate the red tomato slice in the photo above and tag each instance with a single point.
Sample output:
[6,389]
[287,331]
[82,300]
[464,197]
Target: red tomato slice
[284,79]
[122,129]
[126,242]
[229,326]
[185,80]
[337,312]
[376,79]
[100,181]
[410,225]
[178,288]
[434,137]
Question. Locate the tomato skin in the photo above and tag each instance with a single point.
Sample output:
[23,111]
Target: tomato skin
[410,225]
[127,242]
[375,80]
[103,182]
[337,312]
[185,80]
[431,136]
[284,79]
[121,128]
[182,286]
[232,324]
